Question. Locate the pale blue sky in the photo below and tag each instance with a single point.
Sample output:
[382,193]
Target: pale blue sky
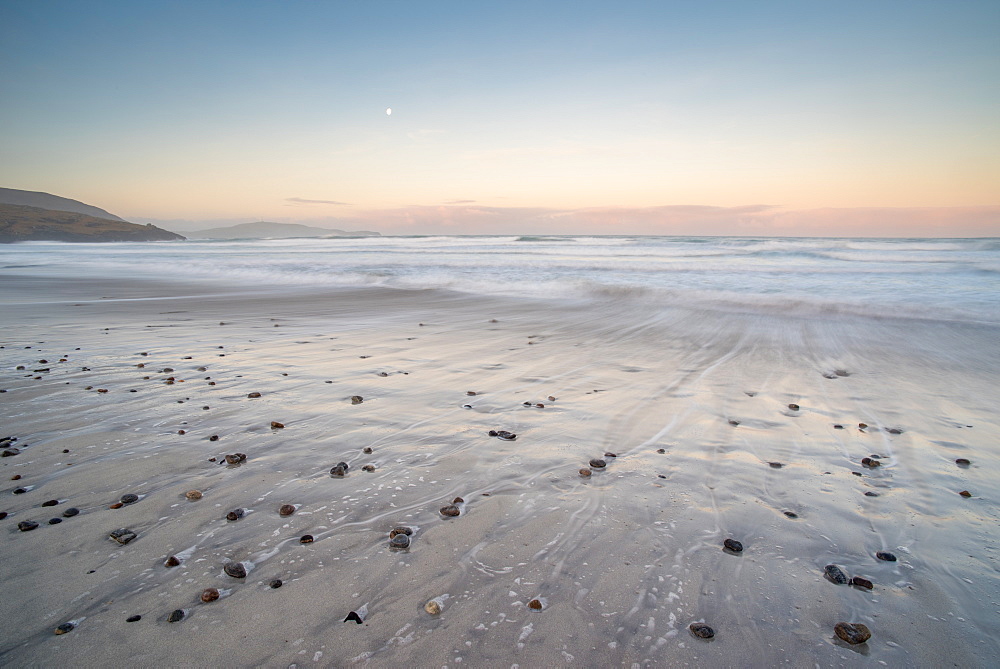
[229,110]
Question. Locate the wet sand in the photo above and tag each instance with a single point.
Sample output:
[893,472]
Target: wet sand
[622,561]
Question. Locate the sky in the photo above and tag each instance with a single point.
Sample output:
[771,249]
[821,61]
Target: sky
[791,118]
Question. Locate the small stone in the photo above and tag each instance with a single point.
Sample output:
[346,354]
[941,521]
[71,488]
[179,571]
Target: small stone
[458,500]
[862,426]
[172,561]
[51,502]
[214,437]
[871,463]
[433,607]
[338,471]
[286,510]
[893,430]
[885,556]
[15,477]
[535,604]
[193,495]
[209,595]
[354,616]
[492,433]
[505,435]
[470,392]
[129,498]
[367,450]
[176,616]
[253,395]
[275,425]
[64,628]
[965,493]
[585,472]
[235,569]
[835,574]
[539,405]
[10,452]
[123,536]
[853,633]
[793,407]
[963,462]
[790,514]
[368,468]
[841,372]
[235,514]
[734,423]
[399,542]
[733,545]
[70,512]
[451,510]
[133,619]
[400,530]
[306,539]
[27,525]
[701,630]
[357,399]
[20,491]
[597,463]
[661,451]
[233,459]
[205,408]
[776,465]
[862,583]
[838,427]
[871,494]
[276,583]
[55,521]
[181,431]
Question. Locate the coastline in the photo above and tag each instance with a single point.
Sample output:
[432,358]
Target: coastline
[623,560]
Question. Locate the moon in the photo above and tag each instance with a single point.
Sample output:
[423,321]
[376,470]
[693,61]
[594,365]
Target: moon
[388,111]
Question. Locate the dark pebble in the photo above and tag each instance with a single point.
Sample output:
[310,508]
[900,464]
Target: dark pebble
[492,433]
[535,604]
[235,569]
[55,521]
[790,514]
[963,462]
[129,498]
[27,525]
[253,395]
[357,399]
[354,616]
[51,502]
[862,426]
[701,630]
[661,450]
[306,539]
[3,514]
[597,463]
[338,471]
[838,427]
[172,561]
[399,542]
[856,473]
[793,407]
[458,500]
[585,472]
[10,452]
[276,583]
[835,574]
[886,556]
[965,493]
[611,455]
[286,510]
[275,425]
[368,468]
[400,530]
[15,477]
[367,450]
[734,423]
[233,459]
[733,545]
[176,616]
[894,430]
[133,619]
[123,536]
[862,583]
[451,510]
[505,435]
[235,514]
[527,404]
[20,491]
[776,465]
[209,595]
[841,372]
[64,628]
[871,494]
[853,633]
[214,437]
[871,463]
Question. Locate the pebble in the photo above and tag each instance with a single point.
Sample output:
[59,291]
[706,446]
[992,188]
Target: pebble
[733,545]
[306,539]
[276,583]
[776,465]
[64,628]
[893,430]
[790,514]
[133,619]
[51,502]
[793,407]
[433,607]
[853,633]
[734,423]
[611,455]
[862,426]
[193,494]
[357,399]
[505,435]
[209,595]
[354,616]
[253,395]
[10,452]
[235,514]
[470,392]
[871,463]
[123,536]
[451,510]
[399,542]
[597,463]
[458,500]
[400,530]
[862,583]
[172,561]
[214,437]
[661,451]
[835,574]
[176,616]
[116,505]
[338,470]
[885,556]
[701,630]
[838,427]
[286,510]
[871,494]
[368,468]
[275,425]
[535,604]
[55,521]
[965,493]
[585,472]
[235,569]
[17,477]
[963,462]
[367,450]
[235,458]
[27,525]
[129,498]
[3,514]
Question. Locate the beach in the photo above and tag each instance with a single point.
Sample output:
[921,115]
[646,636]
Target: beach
[712,424]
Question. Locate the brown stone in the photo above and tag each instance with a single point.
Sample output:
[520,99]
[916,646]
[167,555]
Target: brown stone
[286,510]
[853,633]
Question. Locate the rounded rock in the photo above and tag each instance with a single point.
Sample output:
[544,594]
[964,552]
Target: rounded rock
[357,399]
[286,510]
[701,630]
[400,530]
[129,498]
[276,583]
[172,561]
[597,463]
[275,425]
[450,511]
[176,616]
[853,633]
[733,545]
[55,521]
[793,407]
[27,525]
[535,604]
[368,468]
[235,514]
[399,542]
[123,535]
[433,607]
[51,502]
[338,471]
[235,569]
[885,556]
[64,628]
[965,493]
[209,595]
[862,583]
[585,472]
[233,459]
[193,495]
[133,619]
[963,462]
[458,500]
[367,450]
[835,574]
[306,539]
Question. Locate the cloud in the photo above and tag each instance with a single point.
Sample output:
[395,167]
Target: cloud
[302,200]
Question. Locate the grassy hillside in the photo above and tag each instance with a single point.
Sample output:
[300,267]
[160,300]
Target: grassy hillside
[24,224]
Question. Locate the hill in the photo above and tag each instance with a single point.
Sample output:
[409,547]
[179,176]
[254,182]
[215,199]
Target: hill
[24,224]
[28,198]
[270,230]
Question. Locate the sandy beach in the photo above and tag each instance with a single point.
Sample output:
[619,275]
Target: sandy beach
[713,425]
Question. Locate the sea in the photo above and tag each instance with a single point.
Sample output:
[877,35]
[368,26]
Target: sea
[935,279]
